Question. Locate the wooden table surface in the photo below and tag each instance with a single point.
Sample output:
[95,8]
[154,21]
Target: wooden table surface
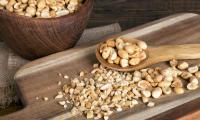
[131,13]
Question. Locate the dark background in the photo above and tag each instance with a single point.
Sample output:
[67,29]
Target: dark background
[131,13]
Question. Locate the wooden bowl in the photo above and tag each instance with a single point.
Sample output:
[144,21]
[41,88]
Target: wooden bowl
[37,37]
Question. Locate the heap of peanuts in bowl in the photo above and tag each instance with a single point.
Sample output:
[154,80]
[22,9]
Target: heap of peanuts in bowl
[120,52]
[41,8]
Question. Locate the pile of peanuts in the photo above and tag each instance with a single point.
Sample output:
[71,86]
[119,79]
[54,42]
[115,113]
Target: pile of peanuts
[101,92]
[123,53]
[41,8]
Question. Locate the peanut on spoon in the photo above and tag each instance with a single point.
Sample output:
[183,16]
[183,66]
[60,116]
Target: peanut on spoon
[131,54]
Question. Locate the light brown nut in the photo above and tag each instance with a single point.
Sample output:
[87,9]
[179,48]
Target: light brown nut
[192,86]
[151,104]
[110,61]
[157,92]
[62,103]
[145,99]
[177,83]
[173,63]
[41,4]
[136,79]
[164,84]
[178,90]
[197,74]
[24,1]
[146,93]
[62,13]
[106,52]
[143,55]
[193,69]
[168,78]
[113,54]
[45,98]
[134,61]
[129,49]
[117,61]
[59,96]
[158,78]
[183,65]
[119,43]
[167,72]
[186,75]
[124,63]
[144,85]
[194,80]
[137,74]
[31,10]
[142,45]
[102,47]
[123,54]
[136,92]
[166,90]
[3,3]
[106,86]
[90,114]
[110,43]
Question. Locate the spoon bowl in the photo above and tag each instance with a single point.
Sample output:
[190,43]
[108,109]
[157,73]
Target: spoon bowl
[156,55]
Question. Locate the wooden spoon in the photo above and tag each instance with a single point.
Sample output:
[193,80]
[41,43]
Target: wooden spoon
[158,54]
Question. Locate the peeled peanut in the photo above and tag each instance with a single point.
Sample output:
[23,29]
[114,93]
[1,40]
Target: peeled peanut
[117,60]
[145,99]
[167,90]
[173,63]
[113,54]
[186,75]
[134,61]
[146,93]
[142,45]
[3,2]
[143,55]
[197,74]
[129,48]
[106,52]
[124,63]
[31,10]
[194,80]
[158,78]
[157,92]
[144,84]
[183,65]
[62,13]
[178,90]
[41,4]
[24,1]
[123,54]
[193,69]
[192,86]
[177,83]
[102,47]
[119,43]
[110,43]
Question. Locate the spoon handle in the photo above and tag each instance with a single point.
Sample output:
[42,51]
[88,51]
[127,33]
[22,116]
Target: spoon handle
[168,52]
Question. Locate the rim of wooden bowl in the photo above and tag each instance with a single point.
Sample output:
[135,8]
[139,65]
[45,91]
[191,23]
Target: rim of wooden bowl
[14,15]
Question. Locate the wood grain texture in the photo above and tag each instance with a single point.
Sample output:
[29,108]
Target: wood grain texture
[131,13]
[40,77]
[35,37]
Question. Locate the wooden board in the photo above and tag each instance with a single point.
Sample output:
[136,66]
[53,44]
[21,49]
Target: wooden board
[40,77]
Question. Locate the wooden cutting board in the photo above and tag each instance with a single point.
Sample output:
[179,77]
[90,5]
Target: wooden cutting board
[40,77]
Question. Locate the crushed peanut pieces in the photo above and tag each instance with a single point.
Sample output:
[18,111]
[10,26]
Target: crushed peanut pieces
[41,8]
[118,51]
[108,91]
